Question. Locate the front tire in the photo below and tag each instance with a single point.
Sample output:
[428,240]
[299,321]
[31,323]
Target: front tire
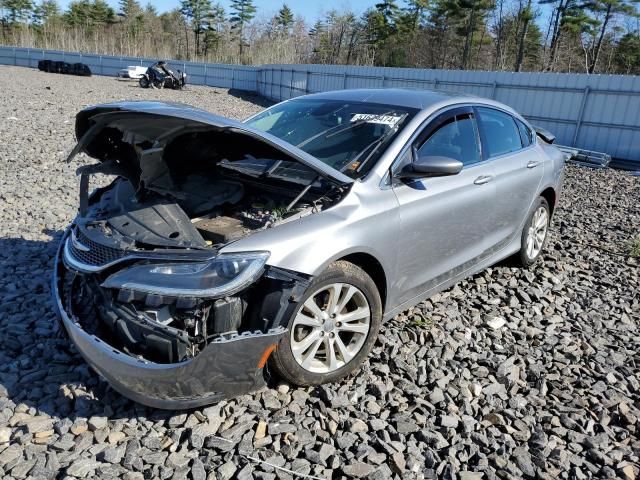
[534,233]
[334,328]
[143,82]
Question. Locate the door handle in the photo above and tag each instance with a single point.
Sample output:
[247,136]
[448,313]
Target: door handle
[533,164]
[482,179]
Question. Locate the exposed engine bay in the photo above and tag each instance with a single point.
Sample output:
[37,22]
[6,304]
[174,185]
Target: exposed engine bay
[191,193]
[181,193]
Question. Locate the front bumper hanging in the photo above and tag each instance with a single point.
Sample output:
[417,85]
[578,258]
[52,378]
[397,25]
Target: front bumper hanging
[229,366]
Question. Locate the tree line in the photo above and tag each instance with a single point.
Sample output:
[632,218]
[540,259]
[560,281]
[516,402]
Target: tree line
[587,36]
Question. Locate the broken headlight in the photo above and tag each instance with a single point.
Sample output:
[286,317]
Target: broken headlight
[222,276]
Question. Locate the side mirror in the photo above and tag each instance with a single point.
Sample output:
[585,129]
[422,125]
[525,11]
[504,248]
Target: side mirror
[430,166]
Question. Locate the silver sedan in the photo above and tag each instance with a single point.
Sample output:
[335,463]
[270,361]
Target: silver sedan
[224,252]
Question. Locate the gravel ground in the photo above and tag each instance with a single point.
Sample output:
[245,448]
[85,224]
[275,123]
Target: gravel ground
[510,374]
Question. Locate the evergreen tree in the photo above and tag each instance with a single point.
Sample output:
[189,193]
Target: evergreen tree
[470,15]
[150,9]
[19,11]
[627,55]
[85,13]
[129,8]
[215,27]
[388,12]
[413,16]
[605,11]
[242,12]
[318,28]
[45,12]
[198,12]
[284,19]
[133,16]
[525,18]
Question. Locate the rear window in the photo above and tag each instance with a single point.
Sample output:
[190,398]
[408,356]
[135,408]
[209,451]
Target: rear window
[500,131]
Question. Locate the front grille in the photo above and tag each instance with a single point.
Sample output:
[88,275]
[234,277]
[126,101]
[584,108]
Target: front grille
[90,254]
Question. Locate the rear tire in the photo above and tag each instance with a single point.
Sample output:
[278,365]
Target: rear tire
[333,329]
[534,233]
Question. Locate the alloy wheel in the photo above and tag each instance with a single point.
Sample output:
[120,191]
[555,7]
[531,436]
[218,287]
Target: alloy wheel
[330,328]
[537,232]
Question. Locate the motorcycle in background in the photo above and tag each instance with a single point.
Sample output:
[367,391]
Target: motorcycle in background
[159,76]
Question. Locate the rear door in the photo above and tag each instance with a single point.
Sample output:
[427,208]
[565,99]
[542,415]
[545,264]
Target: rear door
[446,222]
[508,144]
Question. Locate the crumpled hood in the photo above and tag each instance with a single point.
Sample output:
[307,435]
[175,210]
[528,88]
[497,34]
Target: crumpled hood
[91,120]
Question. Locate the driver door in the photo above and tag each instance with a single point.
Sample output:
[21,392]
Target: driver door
[446,222]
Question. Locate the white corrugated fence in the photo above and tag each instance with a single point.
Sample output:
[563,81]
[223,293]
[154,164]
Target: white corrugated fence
[593,112]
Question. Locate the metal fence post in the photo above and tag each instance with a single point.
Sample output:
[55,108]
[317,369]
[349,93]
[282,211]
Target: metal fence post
[291,85]
[435,83]
[101,67]
[344,80]
[233,76]
[280,84]
[306,82]
[205,73]
[15,56]
[382,78]
[271,83]
[580,115]
[493,90]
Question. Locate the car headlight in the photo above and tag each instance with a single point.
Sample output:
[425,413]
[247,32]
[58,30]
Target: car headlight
[222,276]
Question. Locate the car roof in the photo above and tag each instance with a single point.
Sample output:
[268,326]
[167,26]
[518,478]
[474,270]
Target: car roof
[399,97]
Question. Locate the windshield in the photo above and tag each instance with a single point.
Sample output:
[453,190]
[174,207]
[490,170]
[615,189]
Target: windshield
[348,136]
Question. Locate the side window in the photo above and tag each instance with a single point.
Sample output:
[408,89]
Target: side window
[456,138]
[501,133]
[526,135]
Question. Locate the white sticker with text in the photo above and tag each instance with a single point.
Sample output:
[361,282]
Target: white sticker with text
[390,120]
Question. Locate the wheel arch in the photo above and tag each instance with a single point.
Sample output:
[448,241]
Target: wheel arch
[549,194]
[373,268]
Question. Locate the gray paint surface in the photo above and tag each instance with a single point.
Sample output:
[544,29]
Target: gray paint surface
[426,234]
[593,112]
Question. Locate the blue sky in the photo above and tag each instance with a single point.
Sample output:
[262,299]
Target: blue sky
[309,9]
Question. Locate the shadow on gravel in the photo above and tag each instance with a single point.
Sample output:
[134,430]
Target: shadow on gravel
[251,97]
[38,365]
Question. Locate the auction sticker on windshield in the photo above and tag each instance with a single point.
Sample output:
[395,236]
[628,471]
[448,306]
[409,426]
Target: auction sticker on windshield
[390,120]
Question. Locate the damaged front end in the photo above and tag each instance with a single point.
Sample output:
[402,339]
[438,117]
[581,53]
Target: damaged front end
[142,283]
[174,351]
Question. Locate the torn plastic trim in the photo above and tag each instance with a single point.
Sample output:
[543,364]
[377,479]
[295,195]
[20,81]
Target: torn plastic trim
[227,367]
[165,255]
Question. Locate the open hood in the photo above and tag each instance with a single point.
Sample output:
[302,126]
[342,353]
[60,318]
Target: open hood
[154,120]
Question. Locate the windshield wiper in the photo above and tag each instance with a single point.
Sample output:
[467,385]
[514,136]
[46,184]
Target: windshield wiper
[238,168]
[377,142]
[328,133]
